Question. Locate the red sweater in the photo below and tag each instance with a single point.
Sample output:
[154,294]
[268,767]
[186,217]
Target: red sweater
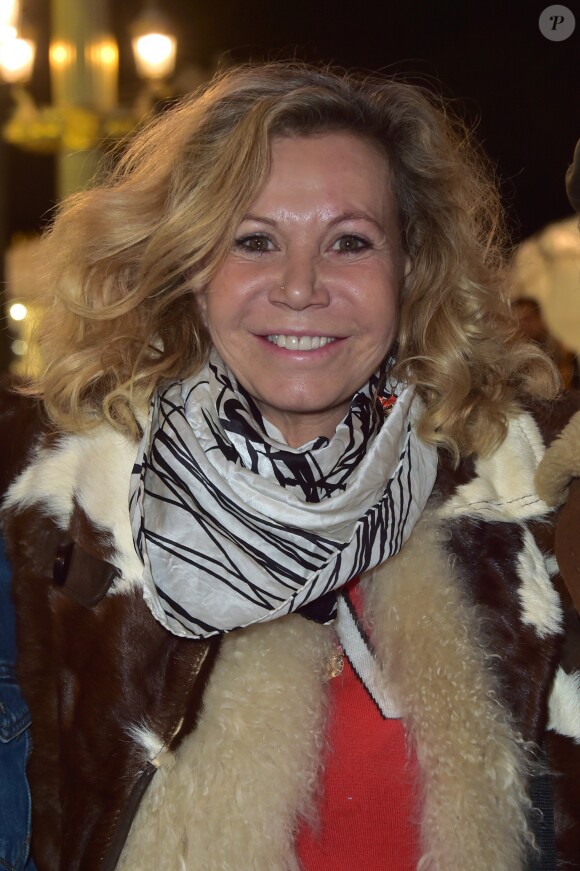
[368,806]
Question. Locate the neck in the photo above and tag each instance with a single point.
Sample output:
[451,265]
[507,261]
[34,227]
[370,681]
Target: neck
[299,430]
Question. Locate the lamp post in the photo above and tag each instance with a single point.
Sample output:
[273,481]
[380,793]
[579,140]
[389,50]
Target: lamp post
[84,115]
[84,67]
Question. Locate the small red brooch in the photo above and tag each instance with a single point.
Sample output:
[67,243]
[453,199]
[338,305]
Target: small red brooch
[387,403]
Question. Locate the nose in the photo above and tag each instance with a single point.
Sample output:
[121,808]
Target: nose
[300,283]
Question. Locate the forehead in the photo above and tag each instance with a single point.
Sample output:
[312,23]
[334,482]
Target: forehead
[338,168]
[347,151]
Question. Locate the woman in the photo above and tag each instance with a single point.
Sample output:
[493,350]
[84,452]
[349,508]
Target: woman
[305,611]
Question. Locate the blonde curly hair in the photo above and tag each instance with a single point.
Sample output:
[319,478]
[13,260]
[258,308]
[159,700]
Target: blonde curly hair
[127,258]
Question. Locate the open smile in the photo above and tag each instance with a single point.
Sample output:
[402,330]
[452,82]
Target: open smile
[300,343]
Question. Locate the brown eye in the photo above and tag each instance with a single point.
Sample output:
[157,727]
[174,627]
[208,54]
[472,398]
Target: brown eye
[351,244]
[256,243]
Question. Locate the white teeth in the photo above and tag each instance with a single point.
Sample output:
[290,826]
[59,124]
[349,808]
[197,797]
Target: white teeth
[300,343]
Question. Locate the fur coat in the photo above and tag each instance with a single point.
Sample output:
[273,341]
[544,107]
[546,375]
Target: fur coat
[153,752]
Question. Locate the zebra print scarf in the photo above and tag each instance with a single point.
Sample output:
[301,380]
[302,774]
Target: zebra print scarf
[234,527]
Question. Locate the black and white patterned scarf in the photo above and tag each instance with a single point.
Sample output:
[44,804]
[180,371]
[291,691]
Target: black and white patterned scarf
[235,527]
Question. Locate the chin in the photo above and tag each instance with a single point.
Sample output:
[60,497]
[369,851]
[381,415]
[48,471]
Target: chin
[300,407]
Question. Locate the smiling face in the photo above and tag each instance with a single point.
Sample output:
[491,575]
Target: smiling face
[305,306]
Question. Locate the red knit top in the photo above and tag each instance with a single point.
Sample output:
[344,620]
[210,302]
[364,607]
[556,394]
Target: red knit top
[368,806]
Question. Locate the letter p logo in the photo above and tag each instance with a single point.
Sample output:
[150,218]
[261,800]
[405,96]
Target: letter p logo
[557,23]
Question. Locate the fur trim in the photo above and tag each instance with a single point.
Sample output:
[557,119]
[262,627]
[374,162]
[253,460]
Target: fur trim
[564,705]
[249,771]
[561,463]
[79,470]
[540,603]
[503,486]
[473,763]
[148,742]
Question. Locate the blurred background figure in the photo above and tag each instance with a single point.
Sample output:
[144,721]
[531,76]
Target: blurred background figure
[533,326]
[546,285]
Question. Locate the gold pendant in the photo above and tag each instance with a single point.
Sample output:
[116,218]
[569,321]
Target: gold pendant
[335,663]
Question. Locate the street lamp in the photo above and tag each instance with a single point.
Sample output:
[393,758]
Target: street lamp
[16,53]
[84,114]
[9,12]
[16,59]
[154,45]
[84,61]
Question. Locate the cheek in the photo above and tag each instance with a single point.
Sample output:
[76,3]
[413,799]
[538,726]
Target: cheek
[384,322]
[386,305]
[216,313]
[213,306]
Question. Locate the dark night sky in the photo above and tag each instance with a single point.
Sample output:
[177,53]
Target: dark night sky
[521,90]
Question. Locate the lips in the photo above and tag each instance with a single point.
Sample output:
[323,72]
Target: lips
[300,343]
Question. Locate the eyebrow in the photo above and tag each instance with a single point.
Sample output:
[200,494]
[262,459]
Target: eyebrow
[356,216]
[344,216]
[260,220]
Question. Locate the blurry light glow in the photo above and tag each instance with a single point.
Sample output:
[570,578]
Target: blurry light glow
[155,55]
[19,347]
[18,311]
[7,32]
[103,53]
[61,54]
[102,61]
[108,53]
[9,11]
[17,59]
